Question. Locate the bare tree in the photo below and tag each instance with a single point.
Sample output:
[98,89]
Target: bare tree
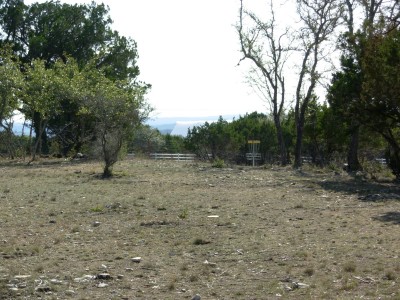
[319,18]
[268,50]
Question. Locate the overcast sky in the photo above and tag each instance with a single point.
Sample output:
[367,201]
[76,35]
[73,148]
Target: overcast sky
[188,51]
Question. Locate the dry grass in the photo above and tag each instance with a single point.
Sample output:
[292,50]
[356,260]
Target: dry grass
[223,233]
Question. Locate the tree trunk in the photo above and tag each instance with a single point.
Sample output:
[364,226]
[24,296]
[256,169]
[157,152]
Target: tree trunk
[353,163]
[281,141]
[41,147]
[299,144]
[299,120]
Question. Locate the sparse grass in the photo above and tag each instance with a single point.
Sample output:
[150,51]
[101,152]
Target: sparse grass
[349,266]
[75,229]
[98,209]
[309,271]
[194,278]
[218,163]
[275,227]
[200,241]
[184,214]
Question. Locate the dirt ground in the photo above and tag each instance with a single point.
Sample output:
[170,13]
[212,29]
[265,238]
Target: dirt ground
[171,230]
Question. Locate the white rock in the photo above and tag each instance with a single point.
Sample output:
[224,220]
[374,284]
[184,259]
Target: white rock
[22,276]
[136,259]
[84,278]
[56,281]
[102,285]
[70,292]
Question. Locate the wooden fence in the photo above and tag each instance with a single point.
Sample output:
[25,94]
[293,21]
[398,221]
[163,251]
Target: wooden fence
[174,156]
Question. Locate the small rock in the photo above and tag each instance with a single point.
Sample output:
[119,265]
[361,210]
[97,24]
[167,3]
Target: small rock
[43,289]
[206,262]
[302,285]
[84,278]
[22,276]
[96,224]
[196,297]
[56,281]
[136,259]
[120,276]
[104,276]
[70,292]
[129,269]
[52,222]
[102,285]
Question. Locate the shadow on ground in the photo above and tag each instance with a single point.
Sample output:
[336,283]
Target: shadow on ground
[390,217]
[366,191]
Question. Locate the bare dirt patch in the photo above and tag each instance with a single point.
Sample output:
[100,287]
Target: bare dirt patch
[170,230]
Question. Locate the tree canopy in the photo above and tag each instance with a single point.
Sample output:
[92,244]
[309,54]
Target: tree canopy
[71,75]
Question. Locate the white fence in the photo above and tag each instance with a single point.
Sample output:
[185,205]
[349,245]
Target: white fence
[174,156]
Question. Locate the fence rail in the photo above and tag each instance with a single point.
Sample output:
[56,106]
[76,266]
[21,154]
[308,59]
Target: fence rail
[174,156]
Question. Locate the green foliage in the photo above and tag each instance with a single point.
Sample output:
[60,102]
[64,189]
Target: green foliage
[218,163]
[228,141]
[11,82]
[62,46]
[323,133]
[184,214]
[173,144]
[117,108]
[217,139]
[256,126]
[381,90]
[146,140]
[51,30]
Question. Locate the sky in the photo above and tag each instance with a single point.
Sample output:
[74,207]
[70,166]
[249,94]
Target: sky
[189,53]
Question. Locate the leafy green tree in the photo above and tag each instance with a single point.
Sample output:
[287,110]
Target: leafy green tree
[380,99]
[39,102]
[11,83]
[216,139]
[229,140]
[118,57]
[174,144]
[43,89]
[11,21]
[117,108]
[146,140]
[256,126]
[346,87]
[51,31]
[70,129]
[343,96]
